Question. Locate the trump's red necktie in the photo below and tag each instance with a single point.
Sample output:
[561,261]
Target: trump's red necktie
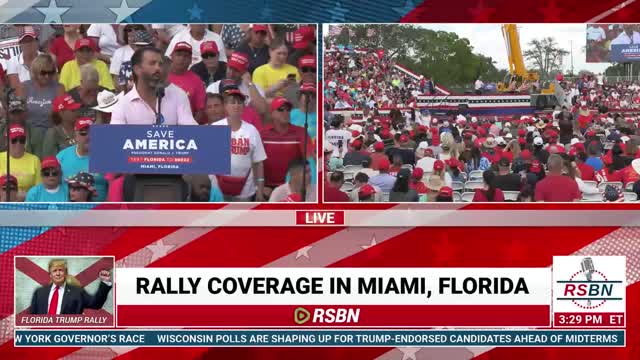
[53,306]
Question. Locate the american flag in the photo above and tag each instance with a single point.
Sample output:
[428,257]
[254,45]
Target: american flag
[324,247]
[335,30]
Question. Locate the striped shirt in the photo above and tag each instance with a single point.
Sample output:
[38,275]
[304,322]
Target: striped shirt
[281,148]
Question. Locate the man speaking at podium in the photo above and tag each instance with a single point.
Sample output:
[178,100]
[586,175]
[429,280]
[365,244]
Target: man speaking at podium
[65,295]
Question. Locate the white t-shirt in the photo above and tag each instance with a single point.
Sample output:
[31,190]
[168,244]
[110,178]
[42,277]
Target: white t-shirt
[333,136]
[214,88]
[596,33]
[171,30]
[16,65]
[246,149]
[122,54]
[479,84]
[426,164]
[107,38]
[624,39]
[185,35]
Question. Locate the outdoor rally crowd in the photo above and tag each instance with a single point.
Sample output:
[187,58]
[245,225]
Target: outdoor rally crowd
[585,150]
[258,79]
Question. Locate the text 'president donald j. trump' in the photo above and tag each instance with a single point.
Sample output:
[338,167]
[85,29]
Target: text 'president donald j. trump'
[65,295]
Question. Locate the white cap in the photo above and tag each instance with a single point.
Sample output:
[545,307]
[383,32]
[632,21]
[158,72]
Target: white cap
[509,136]
[474,119]
[575,141]
[531,128]
[500,141]
[538,141]
[624,139]
[423,145]
[445,124]
[106,101]
[507,124]
[355,127]
[460,118]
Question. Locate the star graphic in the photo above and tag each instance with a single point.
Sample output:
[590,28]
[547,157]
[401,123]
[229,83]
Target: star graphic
[338,13]
[52,13]
[195,13]
[407,8]
[372,244]
[551,13]
[159,250]
[123,12]
[303,252]
[409,353]
[481,13]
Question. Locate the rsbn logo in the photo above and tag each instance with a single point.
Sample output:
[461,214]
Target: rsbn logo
[589,287]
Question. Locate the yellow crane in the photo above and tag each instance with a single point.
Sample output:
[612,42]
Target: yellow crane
[518,73]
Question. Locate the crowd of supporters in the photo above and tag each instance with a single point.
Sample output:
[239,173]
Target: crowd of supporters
[258,79]
[369,77]
[555,157]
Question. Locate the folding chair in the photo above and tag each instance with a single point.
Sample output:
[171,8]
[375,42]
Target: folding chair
[630,196]
[457,185]
[511,195]
[473,184]
[467,196]
[604,184]
[475,175]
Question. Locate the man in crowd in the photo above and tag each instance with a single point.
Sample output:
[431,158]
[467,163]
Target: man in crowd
[384,181]
[283,144]
[255,46]
[298,169]
[140,105]
[52,189]
[332,192]
[506,180]
[556,187]
[357,155]
[210,69]
[187,80]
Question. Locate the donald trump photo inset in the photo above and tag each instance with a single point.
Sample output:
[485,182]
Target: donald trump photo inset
[65,295]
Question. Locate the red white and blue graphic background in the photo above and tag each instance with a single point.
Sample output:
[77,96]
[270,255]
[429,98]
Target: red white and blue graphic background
[181,246]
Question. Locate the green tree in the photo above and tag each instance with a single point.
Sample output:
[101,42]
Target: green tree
[545,56]
[447,58]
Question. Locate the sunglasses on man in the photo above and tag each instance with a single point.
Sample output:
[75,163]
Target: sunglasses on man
[21,140]
[50,172]
[83,132]
[209,56]
[284,108]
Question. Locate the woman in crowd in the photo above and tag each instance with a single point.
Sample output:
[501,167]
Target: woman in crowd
[276,75]
[63,118]
[246,182]
[401,191]
[62,47]
[86,94]
[24,166]
[81,187]
[489,193]
[18,67]
[40,91]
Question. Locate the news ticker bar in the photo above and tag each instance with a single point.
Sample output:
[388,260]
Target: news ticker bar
[324,338]
[409,217]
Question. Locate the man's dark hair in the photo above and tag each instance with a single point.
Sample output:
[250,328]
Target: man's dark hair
[337,176]
[138,55]
[362,178]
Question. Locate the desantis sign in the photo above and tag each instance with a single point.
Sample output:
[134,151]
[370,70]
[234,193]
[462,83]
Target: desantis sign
[151,149]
